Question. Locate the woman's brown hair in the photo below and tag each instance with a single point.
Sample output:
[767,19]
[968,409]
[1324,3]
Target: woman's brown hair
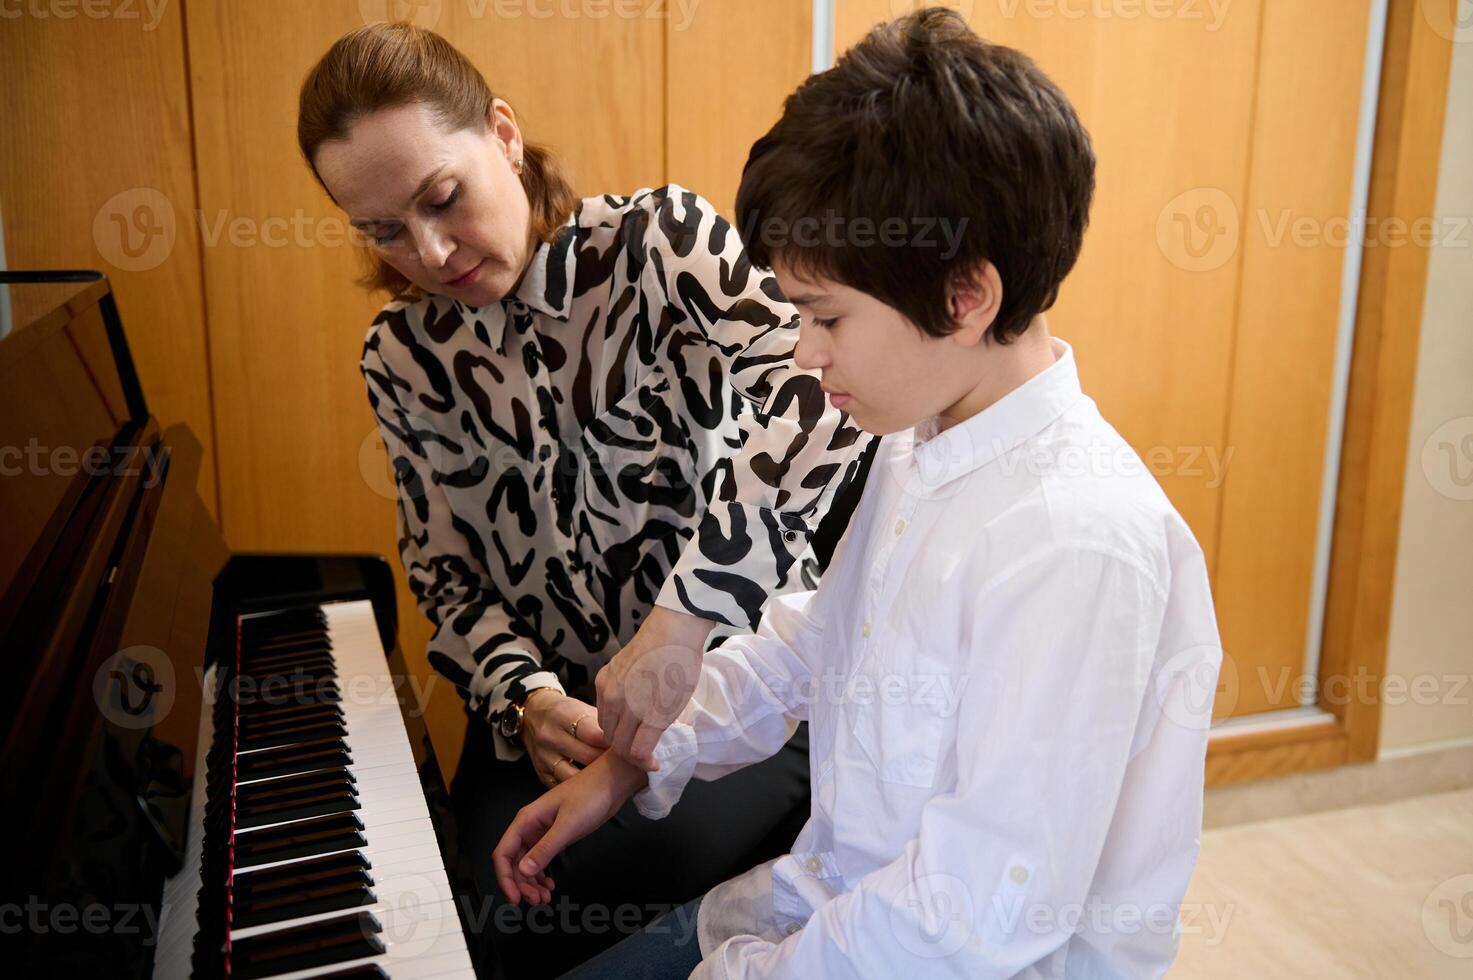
[383,66]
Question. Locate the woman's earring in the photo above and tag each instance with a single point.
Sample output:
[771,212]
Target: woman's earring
[517,165]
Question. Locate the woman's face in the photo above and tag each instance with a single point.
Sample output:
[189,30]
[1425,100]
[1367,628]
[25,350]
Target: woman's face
[447,210]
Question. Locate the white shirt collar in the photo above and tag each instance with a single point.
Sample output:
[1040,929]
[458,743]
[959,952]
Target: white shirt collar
[546,287]
[939,457]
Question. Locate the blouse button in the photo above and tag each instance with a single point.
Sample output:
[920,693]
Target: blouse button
[557,496]
[790,535]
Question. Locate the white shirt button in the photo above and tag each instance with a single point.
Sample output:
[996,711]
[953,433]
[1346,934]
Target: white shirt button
[865,629]
[792,928]
[899,528]
[813,865]
[1018,873]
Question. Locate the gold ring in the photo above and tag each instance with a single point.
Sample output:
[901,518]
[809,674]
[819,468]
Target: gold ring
[576,723]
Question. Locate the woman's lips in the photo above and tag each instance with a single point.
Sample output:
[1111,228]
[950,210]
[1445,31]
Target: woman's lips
[468,278]
[838,399]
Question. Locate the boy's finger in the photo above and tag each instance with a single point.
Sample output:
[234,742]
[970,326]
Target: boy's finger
[549,846]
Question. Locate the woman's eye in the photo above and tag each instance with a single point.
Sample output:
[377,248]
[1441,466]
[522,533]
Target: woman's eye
[448,201]
[828,324]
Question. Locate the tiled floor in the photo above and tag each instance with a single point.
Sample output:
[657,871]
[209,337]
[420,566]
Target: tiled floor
[1376,891]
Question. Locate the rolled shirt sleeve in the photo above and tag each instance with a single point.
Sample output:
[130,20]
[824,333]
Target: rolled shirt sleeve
[477,644]
[796,450]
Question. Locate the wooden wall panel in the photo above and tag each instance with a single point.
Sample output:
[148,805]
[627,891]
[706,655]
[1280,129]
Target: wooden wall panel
[301,465]
[1293,227]
[729,71]
[96,173]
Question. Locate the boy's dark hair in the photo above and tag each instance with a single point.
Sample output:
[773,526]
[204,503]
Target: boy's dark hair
[924,122]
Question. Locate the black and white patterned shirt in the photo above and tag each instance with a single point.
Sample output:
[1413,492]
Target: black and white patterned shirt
[628,428]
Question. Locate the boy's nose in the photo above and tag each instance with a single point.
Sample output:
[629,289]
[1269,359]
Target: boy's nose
[809,353]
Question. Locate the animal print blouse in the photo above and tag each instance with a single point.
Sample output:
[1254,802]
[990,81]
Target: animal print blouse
[628,428]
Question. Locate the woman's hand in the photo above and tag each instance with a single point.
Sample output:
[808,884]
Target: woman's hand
[643,689]
[557,728]
[569,812]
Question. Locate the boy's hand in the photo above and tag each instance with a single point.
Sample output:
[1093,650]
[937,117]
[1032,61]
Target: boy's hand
[569,812]
[647,684]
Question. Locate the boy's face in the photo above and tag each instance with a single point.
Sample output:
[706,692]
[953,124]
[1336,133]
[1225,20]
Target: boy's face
[875,364]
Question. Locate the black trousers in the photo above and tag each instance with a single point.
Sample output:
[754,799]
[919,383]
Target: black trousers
[627,872]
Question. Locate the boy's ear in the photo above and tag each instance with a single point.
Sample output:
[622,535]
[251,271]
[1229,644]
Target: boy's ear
[973,300]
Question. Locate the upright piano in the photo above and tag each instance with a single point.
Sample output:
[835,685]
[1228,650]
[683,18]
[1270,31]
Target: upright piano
[212,763]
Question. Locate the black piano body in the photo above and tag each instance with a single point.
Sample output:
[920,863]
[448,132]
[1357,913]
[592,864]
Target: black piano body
[118,601]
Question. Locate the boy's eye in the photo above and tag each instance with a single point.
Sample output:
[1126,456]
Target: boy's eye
[385,238]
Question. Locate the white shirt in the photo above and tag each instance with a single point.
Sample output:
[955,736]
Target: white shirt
[1008,675]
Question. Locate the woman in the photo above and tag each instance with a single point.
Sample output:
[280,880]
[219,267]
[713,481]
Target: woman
[601,444]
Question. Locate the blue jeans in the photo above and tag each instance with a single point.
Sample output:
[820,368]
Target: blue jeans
[666,949]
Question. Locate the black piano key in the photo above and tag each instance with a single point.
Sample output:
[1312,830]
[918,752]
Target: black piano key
[293,736]
[335,940]
[291,875]
[271,788]
[367,971]
[333,896]
[305,838]
[329,753]
[262,723]
[316,806]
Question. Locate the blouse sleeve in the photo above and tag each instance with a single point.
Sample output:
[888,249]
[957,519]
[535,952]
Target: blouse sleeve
[477,644]
[796,451]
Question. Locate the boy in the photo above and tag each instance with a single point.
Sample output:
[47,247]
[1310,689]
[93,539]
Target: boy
[1007,669]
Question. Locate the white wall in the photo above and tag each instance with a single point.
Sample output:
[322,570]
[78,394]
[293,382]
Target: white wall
[1432,610]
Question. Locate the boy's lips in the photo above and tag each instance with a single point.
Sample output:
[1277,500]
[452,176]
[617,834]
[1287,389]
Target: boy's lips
[838,398]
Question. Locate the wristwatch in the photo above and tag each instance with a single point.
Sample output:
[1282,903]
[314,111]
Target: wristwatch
[511,718]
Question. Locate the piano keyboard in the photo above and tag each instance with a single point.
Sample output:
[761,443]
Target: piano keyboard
[311,851]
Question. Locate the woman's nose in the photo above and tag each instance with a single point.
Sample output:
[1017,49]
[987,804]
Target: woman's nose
[434,248]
